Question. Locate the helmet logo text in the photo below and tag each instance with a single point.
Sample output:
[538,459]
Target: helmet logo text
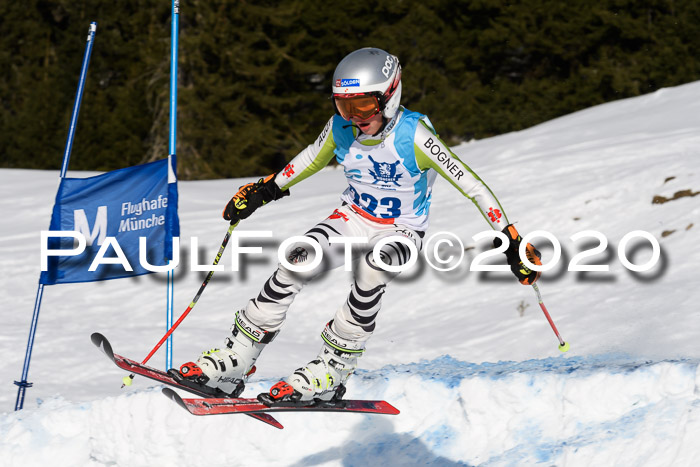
[388,66]
[348,83]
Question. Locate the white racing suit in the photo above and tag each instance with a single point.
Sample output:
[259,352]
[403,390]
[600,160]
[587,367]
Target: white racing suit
[390,178]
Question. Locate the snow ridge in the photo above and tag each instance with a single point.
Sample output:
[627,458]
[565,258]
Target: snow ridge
[573,411]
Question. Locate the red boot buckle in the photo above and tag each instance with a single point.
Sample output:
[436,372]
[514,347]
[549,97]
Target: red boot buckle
[280,390]
[190,370]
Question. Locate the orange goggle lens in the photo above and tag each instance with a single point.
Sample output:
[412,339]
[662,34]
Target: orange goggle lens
[362,106]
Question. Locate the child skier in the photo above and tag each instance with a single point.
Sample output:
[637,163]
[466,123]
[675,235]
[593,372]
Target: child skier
[391,157]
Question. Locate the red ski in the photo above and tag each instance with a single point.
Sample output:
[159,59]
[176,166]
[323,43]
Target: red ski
[215,406]
[134,367]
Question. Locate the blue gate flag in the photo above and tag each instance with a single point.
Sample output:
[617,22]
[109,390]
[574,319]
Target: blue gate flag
[138,201]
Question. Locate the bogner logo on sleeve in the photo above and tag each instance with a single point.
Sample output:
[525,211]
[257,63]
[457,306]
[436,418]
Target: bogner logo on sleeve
[441,155]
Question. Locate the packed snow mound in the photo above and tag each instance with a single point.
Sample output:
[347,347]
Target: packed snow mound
[565,411]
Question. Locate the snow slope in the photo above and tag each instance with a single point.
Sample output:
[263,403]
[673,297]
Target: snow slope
[467,357]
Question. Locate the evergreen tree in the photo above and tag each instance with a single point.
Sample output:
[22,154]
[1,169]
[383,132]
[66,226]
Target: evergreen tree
[254,82]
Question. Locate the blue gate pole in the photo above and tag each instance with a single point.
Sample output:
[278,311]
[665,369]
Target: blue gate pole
[23,384]
[174,27]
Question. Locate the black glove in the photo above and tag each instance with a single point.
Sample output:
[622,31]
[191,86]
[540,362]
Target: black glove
[251,196]
[525,275]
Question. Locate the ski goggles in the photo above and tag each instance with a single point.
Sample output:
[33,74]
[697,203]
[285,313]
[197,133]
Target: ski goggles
[362,106]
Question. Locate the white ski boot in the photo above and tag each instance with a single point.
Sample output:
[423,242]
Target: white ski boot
[322,379]
[225,370]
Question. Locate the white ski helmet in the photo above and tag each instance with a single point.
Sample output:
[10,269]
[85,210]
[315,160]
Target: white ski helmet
[366,82]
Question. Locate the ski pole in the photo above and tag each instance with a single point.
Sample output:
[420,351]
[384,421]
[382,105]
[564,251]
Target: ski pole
[127,380]
[563,346]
